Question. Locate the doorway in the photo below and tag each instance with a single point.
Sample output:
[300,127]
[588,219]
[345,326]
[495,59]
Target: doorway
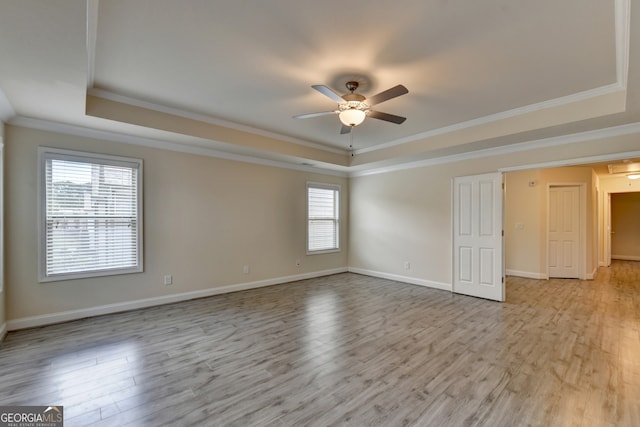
[625,227]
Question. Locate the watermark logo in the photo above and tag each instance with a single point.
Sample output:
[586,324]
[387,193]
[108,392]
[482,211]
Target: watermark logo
[31,416]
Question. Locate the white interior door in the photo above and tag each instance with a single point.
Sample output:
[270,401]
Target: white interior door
[477,236]
[564,231]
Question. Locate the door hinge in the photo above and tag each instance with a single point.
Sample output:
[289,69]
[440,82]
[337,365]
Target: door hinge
[502,279]
[502,233]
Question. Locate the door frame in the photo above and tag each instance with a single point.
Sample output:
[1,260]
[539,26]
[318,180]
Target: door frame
[607,223]
[607,230]
[582,230]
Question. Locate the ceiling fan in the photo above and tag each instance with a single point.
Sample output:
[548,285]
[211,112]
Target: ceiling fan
[353,107]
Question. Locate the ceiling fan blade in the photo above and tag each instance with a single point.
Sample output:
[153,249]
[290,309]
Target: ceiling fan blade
[387,117]
[387,95]
[309,115]
[326,91]
[345,129]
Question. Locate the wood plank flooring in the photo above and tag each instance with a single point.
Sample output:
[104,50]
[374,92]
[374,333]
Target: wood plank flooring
[347,350]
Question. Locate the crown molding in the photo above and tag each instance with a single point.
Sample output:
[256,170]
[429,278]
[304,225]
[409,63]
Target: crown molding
[6,109]
[574,162]
[569,99]
[622,16]
[627,129]
[92,34]
[99,93]
[67,129]
[623,33]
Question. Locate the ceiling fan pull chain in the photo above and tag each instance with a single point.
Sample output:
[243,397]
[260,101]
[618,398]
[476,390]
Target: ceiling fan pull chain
[351,141]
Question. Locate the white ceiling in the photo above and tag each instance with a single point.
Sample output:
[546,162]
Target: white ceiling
[244,68]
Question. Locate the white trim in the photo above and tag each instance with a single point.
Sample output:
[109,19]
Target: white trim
[626,257]
[100,93]
[68,129]
[65,316]
[526,274]
[622,10]
[611,132]
[3,331]
[404,279]
[575,162]
[350,171]
[569,99]
[592,275]
[6,109]
[92,29]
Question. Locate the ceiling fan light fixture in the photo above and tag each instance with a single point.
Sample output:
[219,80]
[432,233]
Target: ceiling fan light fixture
[352,108]
[352,116]
[633,176]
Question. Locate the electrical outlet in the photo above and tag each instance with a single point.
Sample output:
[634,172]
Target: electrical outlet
[168,280]
[245,269]
[407,265]
[297,263]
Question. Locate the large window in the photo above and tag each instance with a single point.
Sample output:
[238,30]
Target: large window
[323,223]
[90,215]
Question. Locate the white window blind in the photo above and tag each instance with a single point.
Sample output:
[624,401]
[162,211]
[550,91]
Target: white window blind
[91,215]
[322,217]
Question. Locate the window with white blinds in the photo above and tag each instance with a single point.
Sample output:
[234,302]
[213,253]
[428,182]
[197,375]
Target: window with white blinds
[323,217]
[91,215]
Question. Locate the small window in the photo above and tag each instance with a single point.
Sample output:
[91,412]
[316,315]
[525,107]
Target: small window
[323,223]
[90,215]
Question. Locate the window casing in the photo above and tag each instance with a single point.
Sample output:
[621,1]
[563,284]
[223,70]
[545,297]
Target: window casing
[323,218]
[90,210]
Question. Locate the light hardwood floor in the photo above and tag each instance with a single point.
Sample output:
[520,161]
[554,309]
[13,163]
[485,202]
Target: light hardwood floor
[347,350]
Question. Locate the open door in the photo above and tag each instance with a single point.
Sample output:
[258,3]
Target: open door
[478,237]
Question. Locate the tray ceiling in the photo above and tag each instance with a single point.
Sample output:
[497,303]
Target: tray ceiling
[230,75]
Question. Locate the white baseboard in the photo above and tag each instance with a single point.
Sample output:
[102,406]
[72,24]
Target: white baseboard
[3,331]
[404,279]
[626,257]
[603,264]
[65,316]
[592,275]
[526,274]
